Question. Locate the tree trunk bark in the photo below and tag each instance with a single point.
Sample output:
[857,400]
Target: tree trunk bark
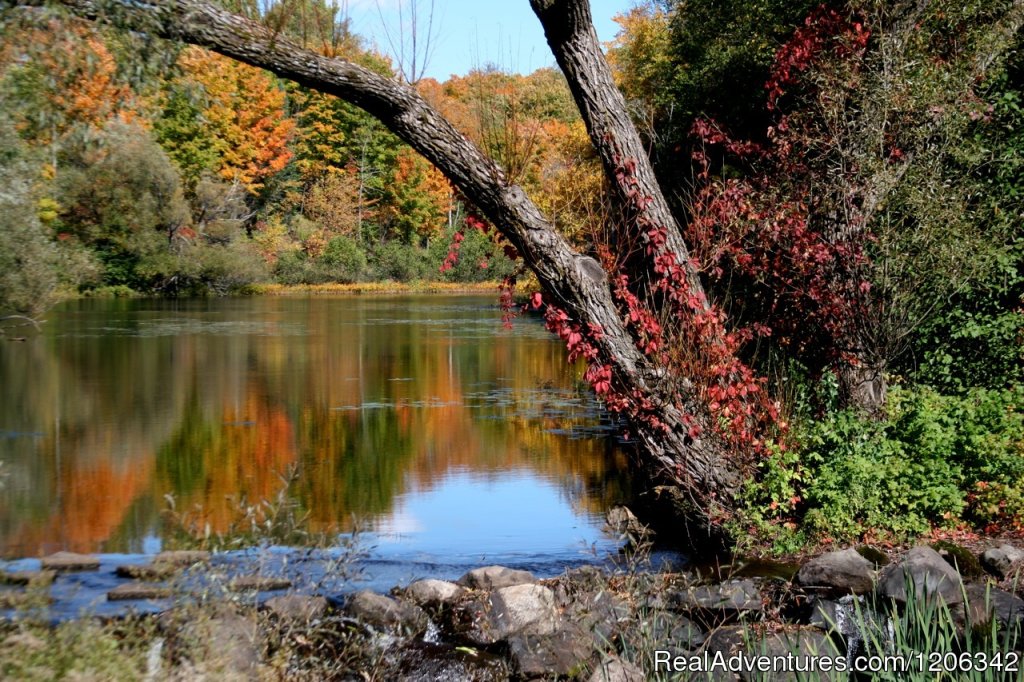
[569,28]
[704,479]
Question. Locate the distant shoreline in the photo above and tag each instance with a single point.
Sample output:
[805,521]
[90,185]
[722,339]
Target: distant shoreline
[374,288]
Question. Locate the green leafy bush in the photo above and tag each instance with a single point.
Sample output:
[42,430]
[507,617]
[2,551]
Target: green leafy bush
[402,262]
[480,260]
[344,259]
[932,460]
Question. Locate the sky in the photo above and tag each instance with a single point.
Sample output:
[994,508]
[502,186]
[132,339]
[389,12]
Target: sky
[472,34]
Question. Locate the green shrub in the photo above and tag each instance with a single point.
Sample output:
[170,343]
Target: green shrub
[480,260]
[343,259]
[402,262]
[932,460]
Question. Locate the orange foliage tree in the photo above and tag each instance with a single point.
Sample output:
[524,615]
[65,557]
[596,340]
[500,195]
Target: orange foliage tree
[64,79]
[243,117]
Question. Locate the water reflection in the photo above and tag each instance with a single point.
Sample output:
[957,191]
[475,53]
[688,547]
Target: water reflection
[418,415]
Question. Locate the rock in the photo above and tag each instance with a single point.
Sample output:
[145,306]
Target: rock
[297,607]
[526,609]
[824,615]
[614,669]
[432,593]
[997,560]
[663,631]
[138,591]
[728,640]
[233,646]
[420,661]
[671,628]
[960,558]
[258,583]
[69,561]
[151,572]
[802,643]
[218,642]
[1014,578]
[27,578]
[986,603]
[559,654]
[731,595]
[875,556]
[844,572]
[577,584]
[602,614]
[387,614]
[495,577]
[182,557]
[520,609]
[927,572]
[621,521]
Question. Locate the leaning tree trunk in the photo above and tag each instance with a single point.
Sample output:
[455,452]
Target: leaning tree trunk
[704,478]
[569,28]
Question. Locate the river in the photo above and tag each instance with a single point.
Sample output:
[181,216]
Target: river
[450,441]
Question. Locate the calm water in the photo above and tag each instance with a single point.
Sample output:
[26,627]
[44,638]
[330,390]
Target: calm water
[453,440]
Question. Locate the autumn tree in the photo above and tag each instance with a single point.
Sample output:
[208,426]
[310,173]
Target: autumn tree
[417,200]
[62,81]
[227,117]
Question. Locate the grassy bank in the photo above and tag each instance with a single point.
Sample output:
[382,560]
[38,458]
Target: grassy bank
[331,288]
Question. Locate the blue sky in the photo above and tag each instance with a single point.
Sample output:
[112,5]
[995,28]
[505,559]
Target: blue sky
[475,33]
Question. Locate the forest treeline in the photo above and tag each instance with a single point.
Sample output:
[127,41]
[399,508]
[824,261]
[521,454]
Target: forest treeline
[847,176]
[159,169]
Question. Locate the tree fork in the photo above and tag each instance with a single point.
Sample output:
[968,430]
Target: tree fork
[704,478]
[569,29]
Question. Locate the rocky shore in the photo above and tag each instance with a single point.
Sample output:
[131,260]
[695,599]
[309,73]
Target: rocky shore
[498,623]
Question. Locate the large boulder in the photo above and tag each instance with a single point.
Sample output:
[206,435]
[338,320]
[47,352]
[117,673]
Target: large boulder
[527,609]
[960,558]
[487,619]
[986,603]
[387,614]
[843,572]
[495,577]
[928,574]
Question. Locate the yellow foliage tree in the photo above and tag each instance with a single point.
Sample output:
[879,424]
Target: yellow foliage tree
[244,117]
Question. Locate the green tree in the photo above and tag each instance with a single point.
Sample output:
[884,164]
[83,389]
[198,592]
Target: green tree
[33,265]
[123,199]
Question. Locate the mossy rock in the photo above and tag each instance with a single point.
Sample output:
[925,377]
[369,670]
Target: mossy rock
[875,556]
[959,558]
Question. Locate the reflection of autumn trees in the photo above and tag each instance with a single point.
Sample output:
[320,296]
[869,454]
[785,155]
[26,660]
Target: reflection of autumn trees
[379,398]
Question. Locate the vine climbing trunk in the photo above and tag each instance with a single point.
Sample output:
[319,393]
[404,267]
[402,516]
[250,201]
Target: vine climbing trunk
[703,478]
